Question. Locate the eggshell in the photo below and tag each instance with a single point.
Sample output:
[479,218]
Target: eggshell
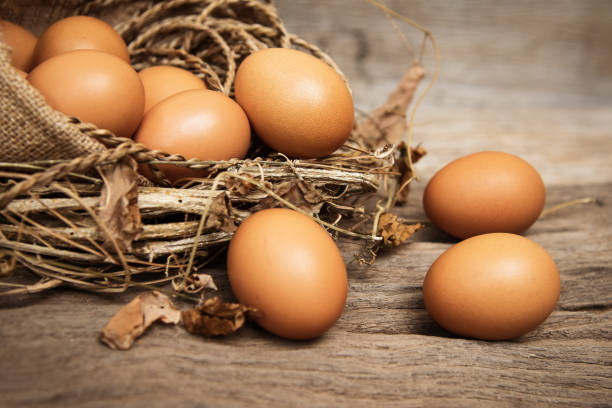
[79,33]
[492,286]
[197,124]
[485,192]
[162,81]
[94,86]
[288,267]
[297,104]
[22,43]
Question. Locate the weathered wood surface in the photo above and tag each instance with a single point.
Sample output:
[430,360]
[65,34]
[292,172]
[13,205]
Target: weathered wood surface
[533,78]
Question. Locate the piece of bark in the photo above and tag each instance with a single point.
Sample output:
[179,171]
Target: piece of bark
[132,321]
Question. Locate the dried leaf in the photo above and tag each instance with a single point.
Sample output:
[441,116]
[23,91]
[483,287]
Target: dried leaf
[196,283]
[216,318]
[404,168]
[7,264]
[203,280]
[417,153]
[388,123]
[238,186]
[118,210]
[298,193]
[219,218]
[393,231]
[132,321]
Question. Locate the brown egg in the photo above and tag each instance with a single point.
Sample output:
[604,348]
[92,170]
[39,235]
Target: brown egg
[79,33]
[492,287]
[94,86]
[287,266]
[22,43]
[485,192]
[163,80]
[197,124]
[297,104]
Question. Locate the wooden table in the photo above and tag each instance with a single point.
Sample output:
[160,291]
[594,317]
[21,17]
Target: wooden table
[530,78]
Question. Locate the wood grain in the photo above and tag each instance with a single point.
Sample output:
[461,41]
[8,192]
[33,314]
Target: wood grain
[532,78]
[385,350]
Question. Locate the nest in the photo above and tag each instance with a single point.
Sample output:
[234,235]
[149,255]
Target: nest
[93,223]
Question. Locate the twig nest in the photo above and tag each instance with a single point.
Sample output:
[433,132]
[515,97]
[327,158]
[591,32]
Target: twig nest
[66,216]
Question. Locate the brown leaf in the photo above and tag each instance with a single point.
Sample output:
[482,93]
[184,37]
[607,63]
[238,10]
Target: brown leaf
[393,231]
[131,322]
[403,167]
[118,209]
[195,283]
[7,264]
[238,186]
[216,318]
[203,281]
[417,153]
[388,123]
[219,217]
[298,193]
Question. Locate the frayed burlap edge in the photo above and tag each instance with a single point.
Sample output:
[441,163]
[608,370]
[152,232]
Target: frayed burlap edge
[29,128]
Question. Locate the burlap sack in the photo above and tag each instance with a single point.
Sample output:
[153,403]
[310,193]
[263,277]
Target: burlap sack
[29,128]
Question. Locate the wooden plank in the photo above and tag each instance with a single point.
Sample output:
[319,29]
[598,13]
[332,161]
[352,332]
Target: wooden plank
[384,349]
[390,370]
[529,51]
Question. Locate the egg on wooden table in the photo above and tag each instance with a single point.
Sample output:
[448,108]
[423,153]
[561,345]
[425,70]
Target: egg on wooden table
[22,43]
[79,33]
[485,192]
[288,267]
[162,81]
[492,286]
[197,124]
[95,87]
[297,104]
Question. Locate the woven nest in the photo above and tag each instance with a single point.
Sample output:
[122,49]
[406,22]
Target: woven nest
[76,213]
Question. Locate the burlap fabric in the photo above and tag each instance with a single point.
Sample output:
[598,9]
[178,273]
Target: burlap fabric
[30,129]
